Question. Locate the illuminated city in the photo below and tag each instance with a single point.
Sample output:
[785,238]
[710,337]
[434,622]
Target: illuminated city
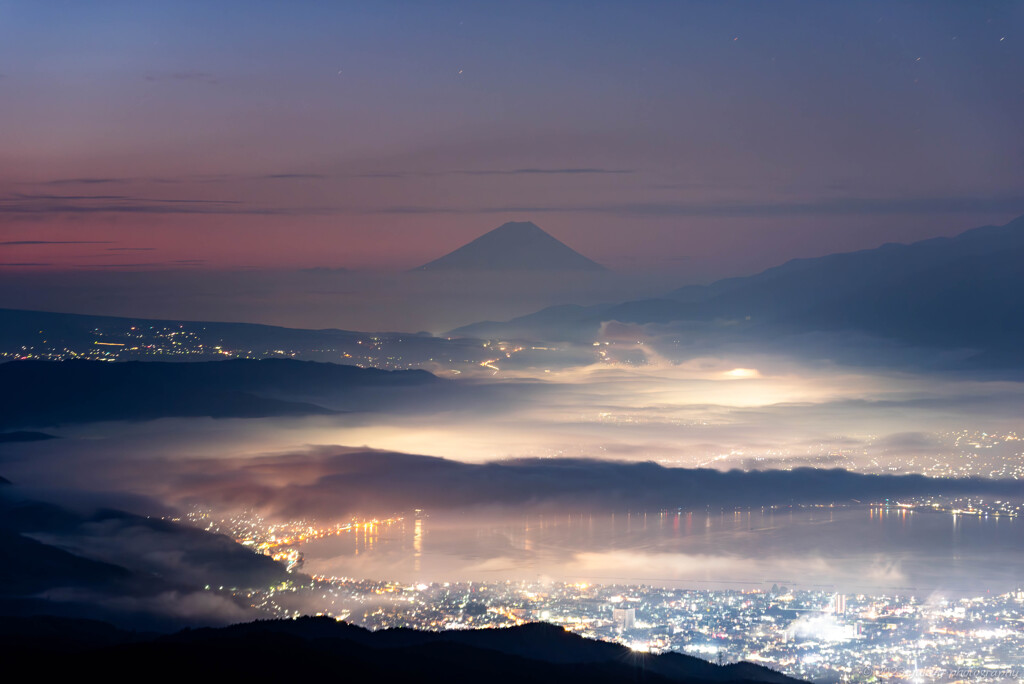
[818,634]
[619,341]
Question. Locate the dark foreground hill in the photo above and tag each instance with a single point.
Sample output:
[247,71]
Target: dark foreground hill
[315,647]
[52,392]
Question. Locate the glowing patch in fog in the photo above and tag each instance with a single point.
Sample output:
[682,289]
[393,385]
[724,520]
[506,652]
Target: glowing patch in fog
[742,373]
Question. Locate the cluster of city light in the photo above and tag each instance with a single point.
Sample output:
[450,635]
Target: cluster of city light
[814,635]
[279,540]
[138,342]
[956,505]
[184,341]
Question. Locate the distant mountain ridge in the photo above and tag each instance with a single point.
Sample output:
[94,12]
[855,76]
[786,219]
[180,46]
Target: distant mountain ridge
[965,291]
[77,391]
[514,246]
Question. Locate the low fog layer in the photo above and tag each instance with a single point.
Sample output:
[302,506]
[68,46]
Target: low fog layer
[741,411]
[607,439]
[63,555]
[334,486]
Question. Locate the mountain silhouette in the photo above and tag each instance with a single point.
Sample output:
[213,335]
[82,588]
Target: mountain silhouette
[79,391]
[515,246]
[319,646]
[962,292]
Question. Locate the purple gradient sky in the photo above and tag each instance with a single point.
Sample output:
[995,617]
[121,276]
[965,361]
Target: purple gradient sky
[705,138]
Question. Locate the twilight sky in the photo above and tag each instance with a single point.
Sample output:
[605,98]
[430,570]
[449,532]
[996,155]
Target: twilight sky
[708,139]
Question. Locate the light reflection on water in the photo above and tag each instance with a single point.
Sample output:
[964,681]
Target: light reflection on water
[859,549]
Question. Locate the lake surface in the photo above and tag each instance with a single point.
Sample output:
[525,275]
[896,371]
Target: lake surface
[860,549]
